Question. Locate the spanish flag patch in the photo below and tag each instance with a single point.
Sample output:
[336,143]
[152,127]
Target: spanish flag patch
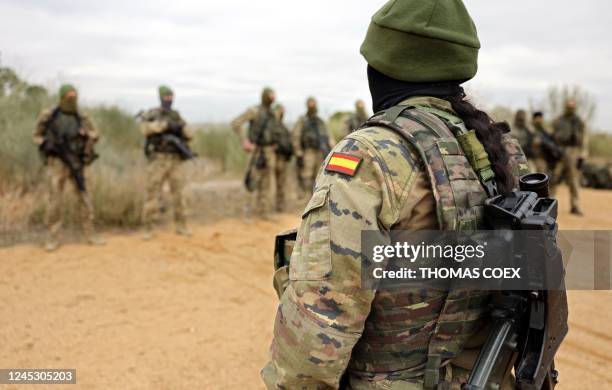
[343,163]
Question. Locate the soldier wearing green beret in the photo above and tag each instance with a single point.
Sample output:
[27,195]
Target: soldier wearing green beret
[261,142]
[66,137]
[571,134]
[311,145]
[404,170]
[164,163]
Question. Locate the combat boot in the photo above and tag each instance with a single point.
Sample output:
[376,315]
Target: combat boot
[181,230]
[52,244]
[576,211]
[95,240]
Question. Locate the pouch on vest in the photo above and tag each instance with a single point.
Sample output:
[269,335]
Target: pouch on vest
[283,247]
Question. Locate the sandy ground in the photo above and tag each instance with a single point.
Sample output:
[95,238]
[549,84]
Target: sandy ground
[197,313]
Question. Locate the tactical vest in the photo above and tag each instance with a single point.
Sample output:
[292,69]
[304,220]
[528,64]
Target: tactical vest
[312,133]
[412,332]
[67,125]
[284,147]
[155,142]
[569,131]
[262,130]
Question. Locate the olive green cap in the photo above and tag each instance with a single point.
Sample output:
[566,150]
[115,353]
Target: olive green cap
[423,41]
[65,88]
[164,90]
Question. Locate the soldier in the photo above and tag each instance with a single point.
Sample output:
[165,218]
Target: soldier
[164,161]
[284,151]
[261,142]
[570,133]
[356,119]
[523,133]
[311,145]
[66,137]
[329,332]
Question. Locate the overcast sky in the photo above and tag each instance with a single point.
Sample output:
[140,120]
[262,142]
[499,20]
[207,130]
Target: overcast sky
[217,55]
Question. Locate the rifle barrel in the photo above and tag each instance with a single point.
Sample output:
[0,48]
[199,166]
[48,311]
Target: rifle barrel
[489,355]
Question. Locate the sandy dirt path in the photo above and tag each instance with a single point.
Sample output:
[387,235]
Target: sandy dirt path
[197,313]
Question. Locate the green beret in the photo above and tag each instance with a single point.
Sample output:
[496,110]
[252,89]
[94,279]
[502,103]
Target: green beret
[65,88]
[423,41]
[164,90]
[267,90]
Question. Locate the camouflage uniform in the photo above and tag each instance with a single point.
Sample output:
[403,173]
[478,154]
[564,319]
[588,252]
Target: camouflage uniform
[356,120]
[570,133]
[309,139]
[263,133]
[164,165]
[73,126]
[327,327]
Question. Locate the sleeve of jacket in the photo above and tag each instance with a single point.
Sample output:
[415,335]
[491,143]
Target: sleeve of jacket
[90,129]
[243,118]
[322,312]
[151,123]
[41,124]
[296,137]
[187,133]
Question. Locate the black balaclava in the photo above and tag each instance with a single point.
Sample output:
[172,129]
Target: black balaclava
[387,92]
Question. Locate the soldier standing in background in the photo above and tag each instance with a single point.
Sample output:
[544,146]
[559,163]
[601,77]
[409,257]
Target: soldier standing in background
[571,134]
[284,152]
[356,119]
[66,137]
[164,161]
[523,133]
[310,144]
[261,142]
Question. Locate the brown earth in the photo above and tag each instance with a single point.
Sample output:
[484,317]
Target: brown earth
[197,313]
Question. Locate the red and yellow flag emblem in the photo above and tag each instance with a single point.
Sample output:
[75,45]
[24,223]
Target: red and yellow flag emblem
[343,163]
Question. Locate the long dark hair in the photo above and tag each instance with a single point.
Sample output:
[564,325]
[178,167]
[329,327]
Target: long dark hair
[490,134]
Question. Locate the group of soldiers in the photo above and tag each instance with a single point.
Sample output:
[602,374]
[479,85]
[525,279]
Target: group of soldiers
[560,152]
[272,146]
[66,137]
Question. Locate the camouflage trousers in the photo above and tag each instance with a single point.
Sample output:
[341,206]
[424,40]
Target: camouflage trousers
[265,177]
[281,182]
[162,168]
[567,172]
[539,164]
[58,175]
[313,159]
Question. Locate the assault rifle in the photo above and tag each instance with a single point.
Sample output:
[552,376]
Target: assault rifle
[551,149]
[171,139]
[529,326]
[57,144]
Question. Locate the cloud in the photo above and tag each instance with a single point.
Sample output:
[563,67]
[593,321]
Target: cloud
[218,55]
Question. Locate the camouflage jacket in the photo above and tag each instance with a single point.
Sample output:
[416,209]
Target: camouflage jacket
[158,120]
[42,124]
[571,131]
[263,129]
[309,133]
[326,325]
